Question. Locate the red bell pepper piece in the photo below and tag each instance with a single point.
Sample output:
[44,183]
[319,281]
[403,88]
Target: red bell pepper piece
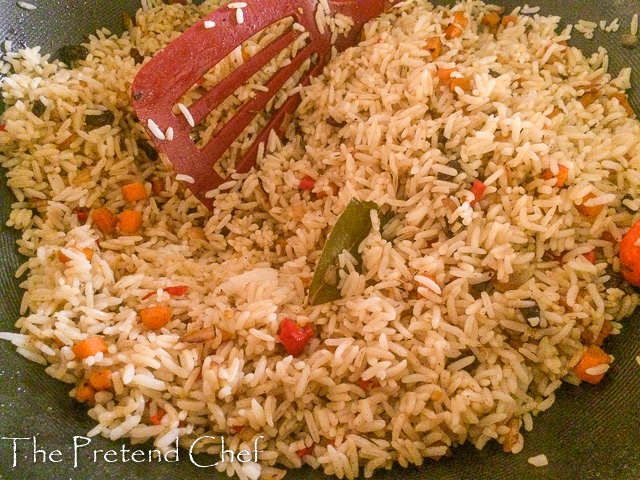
[477,189]
[176,291]
[307,183]
[293,337]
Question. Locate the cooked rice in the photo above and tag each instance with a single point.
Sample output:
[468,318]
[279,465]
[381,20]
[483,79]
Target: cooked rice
[27,6]
[155,129]
[445,363]
[187,114]
[597,370]
[539,461]
[185,178]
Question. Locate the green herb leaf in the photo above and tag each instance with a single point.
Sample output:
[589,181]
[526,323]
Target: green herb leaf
[352,227]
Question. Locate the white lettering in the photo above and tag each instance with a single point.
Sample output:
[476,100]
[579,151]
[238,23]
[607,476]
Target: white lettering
[172,454]
[76,446]
[15,448]
[191,453]
[256,447]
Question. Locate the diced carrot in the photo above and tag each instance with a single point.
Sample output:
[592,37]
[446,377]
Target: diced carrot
[174,291]
[588,98]
[2,128]
[462,82]
[591,256]
[305,451]
[157,186]
[460,18]
[630,255]
[155,317]
[434,46]
[133,192]
[236,428]
[85,393]
[444,74]
[307,183]
[605,331]
[89,347]
[105,220]
[477,189]
[245,55]
[226,336]
[157,418]
[130,221]
[589,212]
[101,380]
[593,357]
[491,20]
[624,102]
[88,254]
[507,19]
[561,177]
[452,31]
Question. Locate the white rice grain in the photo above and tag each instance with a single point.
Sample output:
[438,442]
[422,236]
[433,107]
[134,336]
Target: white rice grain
[155,130]
[598,369]
[181,177]
[27,6]
[538,460]
[187,114]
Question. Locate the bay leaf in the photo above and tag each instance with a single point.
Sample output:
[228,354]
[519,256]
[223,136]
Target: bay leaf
[351,228]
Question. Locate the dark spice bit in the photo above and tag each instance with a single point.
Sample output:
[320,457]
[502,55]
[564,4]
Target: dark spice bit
[477,288]
[38,108]
[149,151]
[71,53]
[138,58]
[616,280]
[335,123]
[127,23]
[452,164]
[531,312]
[95,121]
[446,228]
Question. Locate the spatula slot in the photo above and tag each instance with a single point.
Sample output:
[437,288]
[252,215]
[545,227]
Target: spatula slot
[236,68]
[256,115]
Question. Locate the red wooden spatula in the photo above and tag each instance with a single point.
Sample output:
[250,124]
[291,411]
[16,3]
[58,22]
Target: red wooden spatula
[160,84]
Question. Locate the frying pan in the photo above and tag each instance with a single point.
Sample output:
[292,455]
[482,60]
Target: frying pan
[591,432]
